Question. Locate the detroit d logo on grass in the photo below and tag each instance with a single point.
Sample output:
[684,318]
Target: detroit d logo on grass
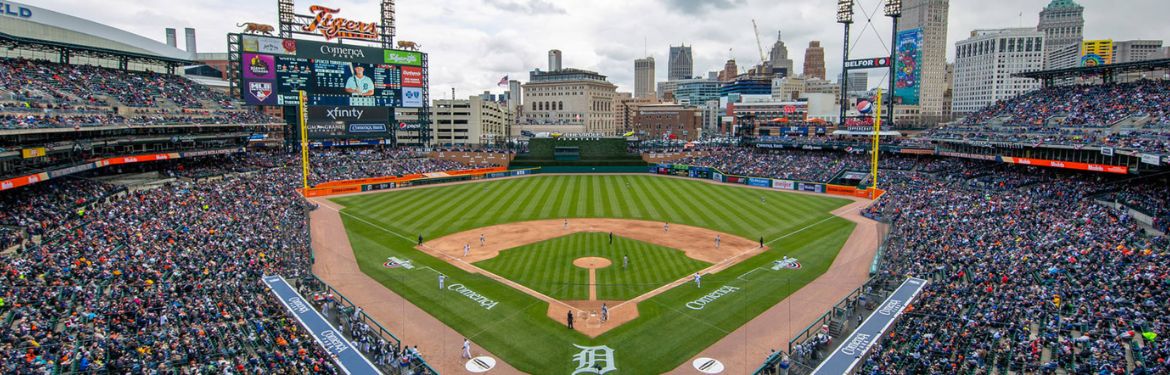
[594,360]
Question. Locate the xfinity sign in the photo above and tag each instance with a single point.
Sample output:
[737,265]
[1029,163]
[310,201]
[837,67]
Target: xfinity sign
[349,114]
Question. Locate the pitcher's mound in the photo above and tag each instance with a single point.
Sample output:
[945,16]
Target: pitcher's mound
[592,262]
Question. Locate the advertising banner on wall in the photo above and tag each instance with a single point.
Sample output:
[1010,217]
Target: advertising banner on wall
[760,182]
[1151,159]
[342,121]
[259,66]
[908,66]
[1118,169]
[783,185]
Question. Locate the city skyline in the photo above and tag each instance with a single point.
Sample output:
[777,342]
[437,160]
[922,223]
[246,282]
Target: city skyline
[474,44]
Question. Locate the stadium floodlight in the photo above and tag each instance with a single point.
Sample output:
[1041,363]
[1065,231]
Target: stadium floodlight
[845,11]
[893,8]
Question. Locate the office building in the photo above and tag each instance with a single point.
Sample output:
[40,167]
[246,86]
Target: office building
[681,64]
[931,16]
[985,63]
[814,60]
[781,65]
[667,121]
[696,91]
[1062,22]
[569,101]
[515,96]
[644,78]
[474,120]
[1136,50]
[787,88]
[858,83]
[730,71]
[666,91]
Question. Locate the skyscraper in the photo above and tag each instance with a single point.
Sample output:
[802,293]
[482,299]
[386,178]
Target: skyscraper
[931,17]
[554,60]
[814,60]
[681,64]
[730,70]
[778,57]
[644,78]
[1063,24]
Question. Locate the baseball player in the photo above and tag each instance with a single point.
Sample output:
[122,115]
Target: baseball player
[666,227]
[604,312]
[566,223]
[625,262]
[466,348]
[482,240]
[698,280]
[442,279]
[466,250]
[717,240]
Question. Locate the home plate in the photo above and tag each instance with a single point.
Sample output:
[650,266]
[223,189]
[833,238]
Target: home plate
[483,364]
[708,365]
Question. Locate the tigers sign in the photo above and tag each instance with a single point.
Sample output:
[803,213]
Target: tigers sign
[332,27]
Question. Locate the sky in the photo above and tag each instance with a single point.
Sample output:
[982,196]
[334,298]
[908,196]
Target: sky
[473,43]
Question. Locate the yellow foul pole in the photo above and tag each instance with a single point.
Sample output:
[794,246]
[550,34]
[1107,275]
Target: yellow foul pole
[304,125]
[877,128]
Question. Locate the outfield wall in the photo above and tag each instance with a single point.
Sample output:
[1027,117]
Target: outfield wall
[394,182]
[764,182]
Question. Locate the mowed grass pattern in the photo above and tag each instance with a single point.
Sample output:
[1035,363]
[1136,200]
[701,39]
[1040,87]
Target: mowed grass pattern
[547,266]
[438,211]
[666,333]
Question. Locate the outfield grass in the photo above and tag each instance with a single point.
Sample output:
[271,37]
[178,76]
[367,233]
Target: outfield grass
[547,266]
[666,332]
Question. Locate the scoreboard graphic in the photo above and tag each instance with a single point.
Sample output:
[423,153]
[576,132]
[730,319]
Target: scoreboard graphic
[274,70]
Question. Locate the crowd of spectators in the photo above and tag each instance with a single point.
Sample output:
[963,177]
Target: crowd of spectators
[40,94]
[1029,274]
[164,280]
[350,164]
[1082,105]
[1078,115]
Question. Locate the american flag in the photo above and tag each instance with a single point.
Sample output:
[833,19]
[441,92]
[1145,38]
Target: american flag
[503,81]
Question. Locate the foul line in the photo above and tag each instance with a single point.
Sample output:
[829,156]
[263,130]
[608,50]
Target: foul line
[497,278]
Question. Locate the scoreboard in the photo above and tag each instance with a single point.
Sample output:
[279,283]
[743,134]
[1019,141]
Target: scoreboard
[274,70]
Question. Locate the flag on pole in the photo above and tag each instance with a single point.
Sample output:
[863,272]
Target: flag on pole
[503,81]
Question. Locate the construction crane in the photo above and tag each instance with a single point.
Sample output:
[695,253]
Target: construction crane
[759,45]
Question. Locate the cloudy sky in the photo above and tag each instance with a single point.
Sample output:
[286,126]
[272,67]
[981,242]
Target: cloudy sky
[473,43]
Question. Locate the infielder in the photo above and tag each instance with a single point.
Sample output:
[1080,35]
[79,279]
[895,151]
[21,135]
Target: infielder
[665,227]
[698,280]
[442,279]
[566,223]
[717,240]
[482,240]
[604,312]
[466,348]
[466,250]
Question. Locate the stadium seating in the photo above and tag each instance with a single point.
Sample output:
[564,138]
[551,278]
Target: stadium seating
[1133,115]
[39,94]
[165,279]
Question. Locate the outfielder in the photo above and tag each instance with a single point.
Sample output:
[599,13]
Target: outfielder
[442,279]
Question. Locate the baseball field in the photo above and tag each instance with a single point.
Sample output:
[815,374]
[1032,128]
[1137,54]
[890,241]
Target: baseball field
[555,245]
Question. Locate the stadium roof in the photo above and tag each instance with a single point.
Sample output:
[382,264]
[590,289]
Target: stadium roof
[1110,69]
[12,41]
[34,23]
